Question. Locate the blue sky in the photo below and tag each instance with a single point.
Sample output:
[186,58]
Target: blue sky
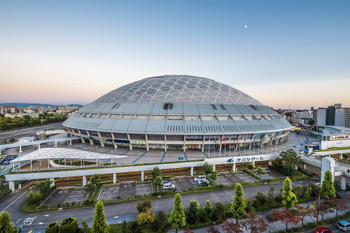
[292,53]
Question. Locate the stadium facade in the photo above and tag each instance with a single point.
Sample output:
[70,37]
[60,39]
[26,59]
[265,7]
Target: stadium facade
[178,112]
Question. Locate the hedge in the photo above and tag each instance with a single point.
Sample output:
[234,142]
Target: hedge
[52,228]
[69,225]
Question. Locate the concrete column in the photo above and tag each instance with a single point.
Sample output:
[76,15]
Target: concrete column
[114,178]
[55,143]
[142,175]
[70,142]
[214,167]
[53,182]
[12,185]
[192,171]
[341,156]
[130,146]
[39,146]
[147,145]
[234,167]
[254,163]
[304,166]
[101,139]
[203,143]
[84,181]
[20,149]
[343,183]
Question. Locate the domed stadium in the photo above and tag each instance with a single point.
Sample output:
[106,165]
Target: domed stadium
[178,112]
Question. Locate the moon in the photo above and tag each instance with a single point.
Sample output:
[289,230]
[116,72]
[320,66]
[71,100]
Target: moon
[245,26]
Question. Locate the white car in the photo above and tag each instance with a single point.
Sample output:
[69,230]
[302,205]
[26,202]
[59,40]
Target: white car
[200,177]
[168,187]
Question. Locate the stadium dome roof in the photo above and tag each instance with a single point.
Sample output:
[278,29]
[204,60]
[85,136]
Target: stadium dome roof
[177,89]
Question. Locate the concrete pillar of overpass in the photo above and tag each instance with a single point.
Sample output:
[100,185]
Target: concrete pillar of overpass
[53,182]
[114,178]
[20,149]
[12,185]
[234,167]
[102,143]
[70,142]
[84,181]
[343,183]
[192,171]
[147,146]
[82,140]
[214,167]
[142,175]
[91,142]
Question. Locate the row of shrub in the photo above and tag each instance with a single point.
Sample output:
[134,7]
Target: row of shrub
[68,225]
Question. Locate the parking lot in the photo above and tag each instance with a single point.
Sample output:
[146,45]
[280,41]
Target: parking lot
[183,183]
[270,174]
[67,195]
[227,178]
[124,190]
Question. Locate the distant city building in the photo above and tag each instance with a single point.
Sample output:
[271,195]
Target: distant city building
[302,116]
[8,109]
[333,115]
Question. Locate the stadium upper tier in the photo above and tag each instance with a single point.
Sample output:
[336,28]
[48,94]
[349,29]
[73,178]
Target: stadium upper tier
[174,110]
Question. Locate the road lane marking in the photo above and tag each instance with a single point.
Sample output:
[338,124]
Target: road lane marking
[17,221]
[14,201]
[29,221]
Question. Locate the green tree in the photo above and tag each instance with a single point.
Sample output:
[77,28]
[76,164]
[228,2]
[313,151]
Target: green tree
[85,227]
[290,157]
[192,211]
[99,223]
[289,198]
[207,168]
[5,223]
[208,208]
[156,172]
[238,203]
[95,179]
[214,175]
[311,121]
[270,194]
[157,182]
[177,217]
[143,206]
[327,188]
[44,187]
[143,218]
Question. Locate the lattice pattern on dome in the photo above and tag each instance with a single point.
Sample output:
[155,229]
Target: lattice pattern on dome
[178,89]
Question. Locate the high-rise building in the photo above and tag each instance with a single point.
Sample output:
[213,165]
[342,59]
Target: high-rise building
[333,115]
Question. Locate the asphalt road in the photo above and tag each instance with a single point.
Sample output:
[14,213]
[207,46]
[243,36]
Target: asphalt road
[118,212]
[17,133]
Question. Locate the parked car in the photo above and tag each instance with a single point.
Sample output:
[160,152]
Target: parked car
[322,230]
[202,183]
[169,187]
[200,177]
[165,180]
[343,225]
